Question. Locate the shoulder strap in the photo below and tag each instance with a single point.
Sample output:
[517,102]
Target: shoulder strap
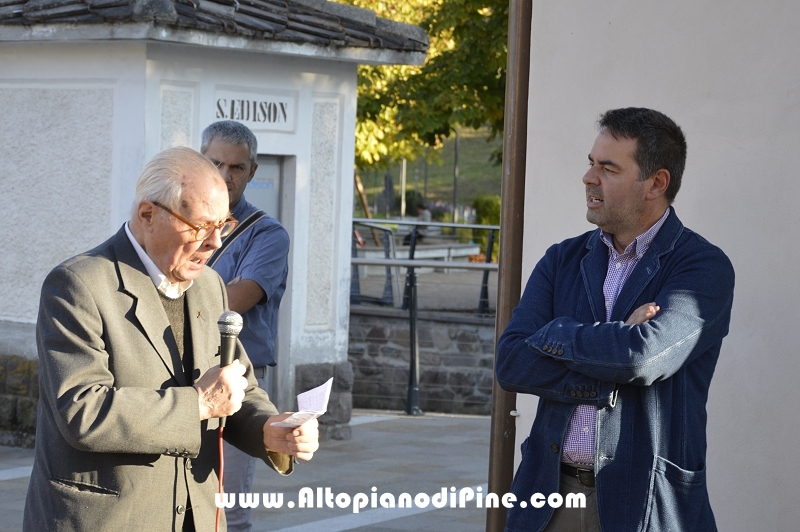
[231,238]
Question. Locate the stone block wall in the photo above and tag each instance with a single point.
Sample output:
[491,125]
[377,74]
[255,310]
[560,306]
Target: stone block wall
[456,355]
[334,424]
[19,400]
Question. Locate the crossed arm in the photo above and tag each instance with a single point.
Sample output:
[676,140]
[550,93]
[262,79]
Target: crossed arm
[550,356]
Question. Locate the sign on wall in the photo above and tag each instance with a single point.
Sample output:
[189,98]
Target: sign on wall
[258,110]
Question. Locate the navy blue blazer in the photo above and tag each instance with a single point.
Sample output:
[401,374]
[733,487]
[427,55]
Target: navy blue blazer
[649,382]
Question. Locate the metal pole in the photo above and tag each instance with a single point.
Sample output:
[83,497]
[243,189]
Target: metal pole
[425,179]
[403,190]
[355,286]
[483,303]
[509,281]
[375,191]
[412,245]
[416,184]
[455,183]
[412,401]
[388,295]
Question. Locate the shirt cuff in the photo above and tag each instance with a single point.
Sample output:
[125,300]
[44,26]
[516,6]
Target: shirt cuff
[282,463]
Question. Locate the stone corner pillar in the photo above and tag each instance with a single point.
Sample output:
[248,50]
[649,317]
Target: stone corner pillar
[335,423]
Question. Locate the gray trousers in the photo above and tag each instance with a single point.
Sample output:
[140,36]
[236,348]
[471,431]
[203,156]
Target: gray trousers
[575,519]
[239,470]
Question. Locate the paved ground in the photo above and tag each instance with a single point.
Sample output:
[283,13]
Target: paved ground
[454,290]
[392,452]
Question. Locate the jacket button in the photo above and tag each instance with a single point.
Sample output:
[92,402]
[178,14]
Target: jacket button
[181,509]
[573,393]
[593,394]
[554,447]
[560,351]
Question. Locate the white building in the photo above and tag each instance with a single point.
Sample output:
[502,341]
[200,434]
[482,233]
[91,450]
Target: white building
[91,89]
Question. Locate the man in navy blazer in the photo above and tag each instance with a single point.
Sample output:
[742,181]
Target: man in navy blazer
[618,333]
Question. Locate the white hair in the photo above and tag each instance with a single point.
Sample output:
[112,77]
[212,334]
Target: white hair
[161,179]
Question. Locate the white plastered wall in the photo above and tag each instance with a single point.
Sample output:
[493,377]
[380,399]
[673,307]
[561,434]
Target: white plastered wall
[317,149]
[80,121]
[70,141]
[727,72]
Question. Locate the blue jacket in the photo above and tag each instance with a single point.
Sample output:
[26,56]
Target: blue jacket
[649,382]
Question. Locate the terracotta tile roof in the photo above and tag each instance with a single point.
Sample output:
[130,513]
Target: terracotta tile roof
[316,22]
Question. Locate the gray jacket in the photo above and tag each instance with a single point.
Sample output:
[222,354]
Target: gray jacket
[119,441]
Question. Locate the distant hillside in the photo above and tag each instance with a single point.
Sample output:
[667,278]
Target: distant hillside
[476,174]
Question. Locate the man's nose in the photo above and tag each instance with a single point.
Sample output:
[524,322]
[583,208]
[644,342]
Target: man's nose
[214,241]
[590,177]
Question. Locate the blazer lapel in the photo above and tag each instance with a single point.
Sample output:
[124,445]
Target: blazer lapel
[646,269]
[641,275]
[148,309]
[593,270]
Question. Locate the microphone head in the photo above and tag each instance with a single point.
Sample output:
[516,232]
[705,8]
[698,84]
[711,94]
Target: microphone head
[230,322]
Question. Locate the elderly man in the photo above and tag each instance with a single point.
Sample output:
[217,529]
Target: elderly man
[130,384]
[253,262]
[618,333]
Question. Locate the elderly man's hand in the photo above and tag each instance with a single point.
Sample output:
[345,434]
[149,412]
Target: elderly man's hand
[221,390]
[300,441]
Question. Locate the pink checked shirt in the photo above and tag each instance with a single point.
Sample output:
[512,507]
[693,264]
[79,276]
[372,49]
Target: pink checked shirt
[579,444]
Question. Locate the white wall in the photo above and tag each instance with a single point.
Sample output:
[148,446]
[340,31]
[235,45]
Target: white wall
[317,144]
[727,73]
[71,121]
[80,120]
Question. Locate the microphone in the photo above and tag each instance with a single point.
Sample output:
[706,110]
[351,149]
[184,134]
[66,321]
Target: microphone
[230,324]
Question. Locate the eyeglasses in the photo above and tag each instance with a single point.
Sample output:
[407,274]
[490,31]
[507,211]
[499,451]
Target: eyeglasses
[201,232]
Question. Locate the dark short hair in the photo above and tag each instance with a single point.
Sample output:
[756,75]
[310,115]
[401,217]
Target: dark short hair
[659,142]
[232,132]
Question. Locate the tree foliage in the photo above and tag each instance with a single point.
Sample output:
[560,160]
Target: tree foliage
[404,110]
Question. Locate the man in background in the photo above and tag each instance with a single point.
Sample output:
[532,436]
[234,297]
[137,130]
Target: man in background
[253,264]
[423,215]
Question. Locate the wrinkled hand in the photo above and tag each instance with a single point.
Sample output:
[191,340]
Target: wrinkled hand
[643,314]
[221,390]
[300,441]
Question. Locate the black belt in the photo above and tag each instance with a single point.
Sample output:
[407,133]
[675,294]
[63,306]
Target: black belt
[585,475]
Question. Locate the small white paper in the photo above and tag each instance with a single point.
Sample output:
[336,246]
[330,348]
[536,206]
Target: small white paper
[310,405]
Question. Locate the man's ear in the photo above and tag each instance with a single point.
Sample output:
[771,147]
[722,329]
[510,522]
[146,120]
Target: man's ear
[252,172]
[660,183]
[146,212]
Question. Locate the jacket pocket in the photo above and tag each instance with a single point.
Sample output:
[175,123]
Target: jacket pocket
[678,500]
[77,505]
[83,487]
